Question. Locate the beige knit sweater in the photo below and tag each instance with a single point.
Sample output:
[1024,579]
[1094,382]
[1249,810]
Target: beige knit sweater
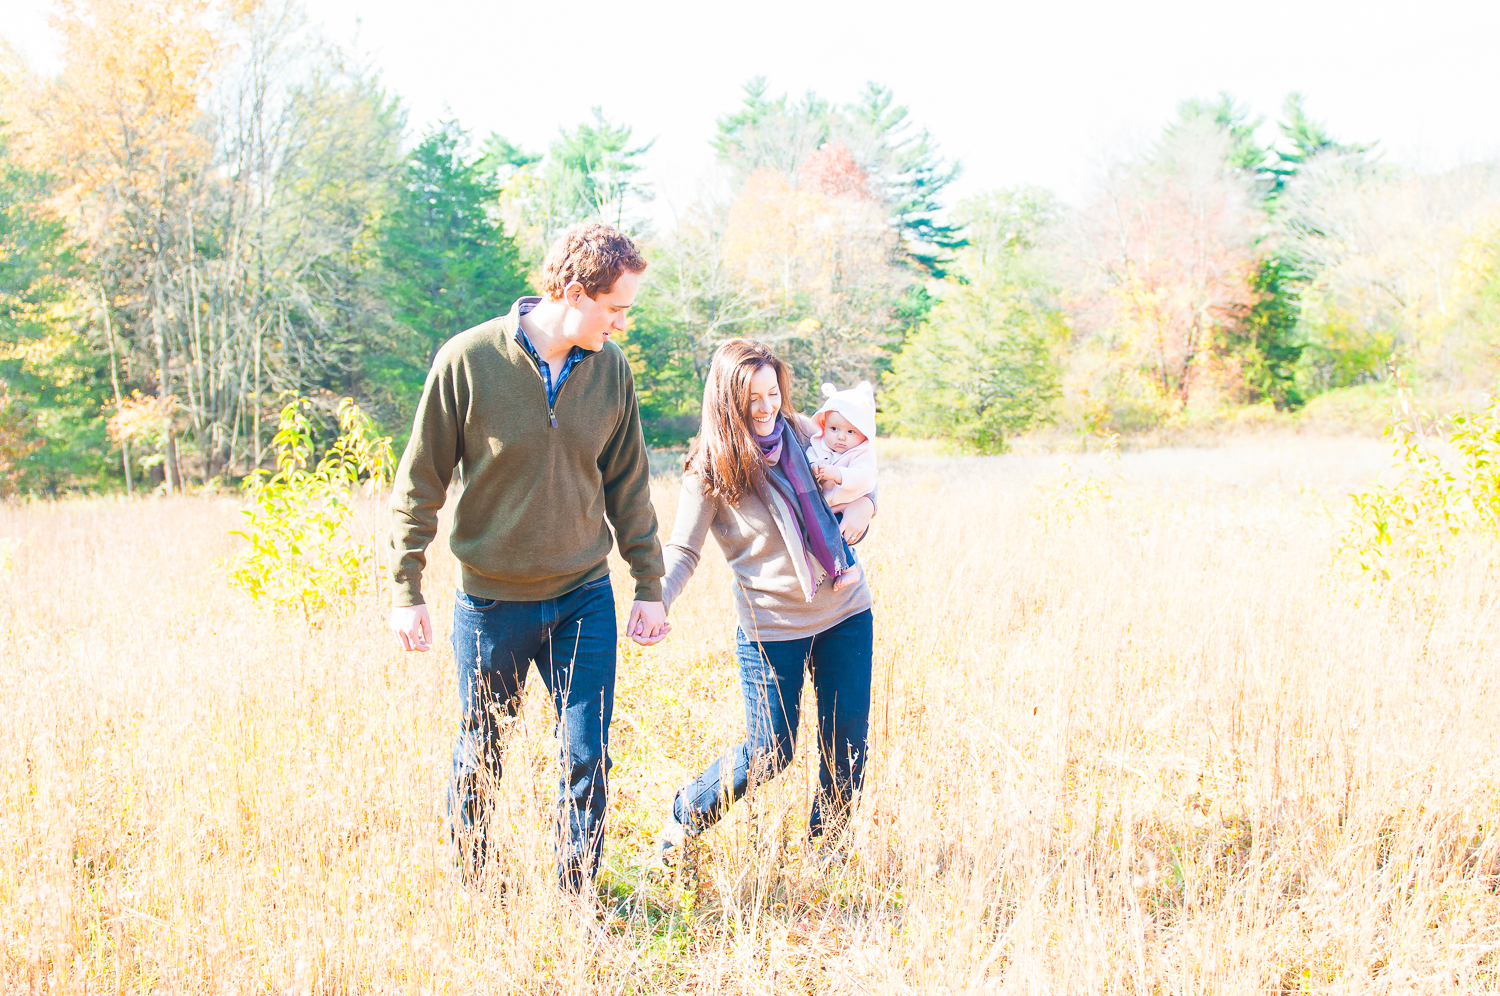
[768,559]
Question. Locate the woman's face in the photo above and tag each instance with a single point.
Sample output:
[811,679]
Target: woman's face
[765,400]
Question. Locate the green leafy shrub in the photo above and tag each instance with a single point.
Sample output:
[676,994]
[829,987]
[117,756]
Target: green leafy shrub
[1412,523]
[304,548]
[980,369]
[980,363]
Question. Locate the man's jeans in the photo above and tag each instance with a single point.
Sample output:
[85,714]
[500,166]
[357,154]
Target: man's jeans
[839,660]
[572,640]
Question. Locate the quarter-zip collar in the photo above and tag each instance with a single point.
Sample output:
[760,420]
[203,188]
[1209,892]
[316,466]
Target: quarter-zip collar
[576,355]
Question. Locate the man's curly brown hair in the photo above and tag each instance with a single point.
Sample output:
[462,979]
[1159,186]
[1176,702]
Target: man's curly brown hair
[594,255]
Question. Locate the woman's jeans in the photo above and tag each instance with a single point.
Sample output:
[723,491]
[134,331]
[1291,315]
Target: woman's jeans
[839,660]
[572,640]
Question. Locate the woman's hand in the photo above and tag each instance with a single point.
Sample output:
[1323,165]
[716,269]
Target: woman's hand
[857,516]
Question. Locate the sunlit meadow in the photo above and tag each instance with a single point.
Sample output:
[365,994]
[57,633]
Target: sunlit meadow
[1131,734]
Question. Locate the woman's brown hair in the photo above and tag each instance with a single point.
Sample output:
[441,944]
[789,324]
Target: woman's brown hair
[725,455]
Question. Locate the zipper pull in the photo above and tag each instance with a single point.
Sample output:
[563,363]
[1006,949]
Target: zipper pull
[553,416]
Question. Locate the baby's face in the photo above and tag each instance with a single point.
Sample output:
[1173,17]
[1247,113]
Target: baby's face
[839,435]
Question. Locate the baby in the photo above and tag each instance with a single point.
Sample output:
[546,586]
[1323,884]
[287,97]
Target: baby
[841,452]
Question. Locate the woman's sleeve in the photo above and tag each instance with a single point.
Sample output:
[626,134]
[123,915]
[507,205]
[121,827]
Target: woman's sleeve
[695,514]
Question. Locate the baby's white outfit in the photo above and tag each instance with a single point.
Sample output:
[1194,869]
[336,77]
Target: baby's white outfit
[858,466]
[857,404]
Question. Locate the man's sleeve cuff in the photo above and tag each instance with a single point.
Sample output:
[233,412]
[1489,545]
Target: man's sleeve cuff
[648,591]
[406,594]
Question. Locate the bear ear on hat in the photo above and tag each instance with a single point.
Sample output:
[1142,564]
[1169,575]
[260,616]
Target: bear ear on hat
[865,387]
[829,390]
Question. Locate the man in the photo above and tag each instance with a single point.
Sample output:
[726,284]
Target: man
[536,411]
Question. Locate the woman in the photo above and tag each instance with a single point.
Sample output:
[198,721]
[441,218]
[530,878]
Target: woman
[748,482]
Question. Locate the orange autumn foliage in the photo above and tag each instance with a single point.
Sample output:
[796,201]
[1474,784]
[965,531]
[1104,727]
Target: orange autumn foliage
[1173,246]
[124,123]
[817,254]
[811,238]
[832,172]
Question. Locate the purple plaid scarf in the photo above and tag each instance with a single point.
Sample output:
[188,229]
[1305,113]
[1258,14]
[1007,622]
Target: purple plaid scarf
[789,473]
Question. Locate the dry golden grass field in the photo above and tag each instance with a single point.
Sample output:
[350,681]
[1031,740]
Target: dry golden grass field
[1130,735]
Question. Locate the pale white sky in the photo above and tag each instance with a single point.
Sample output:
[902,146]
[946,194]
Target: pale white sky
[1041,93]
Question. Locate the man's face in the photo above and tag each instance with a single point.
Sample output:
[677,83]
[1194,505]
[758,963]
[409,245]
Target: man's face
[592,320]
[839,434]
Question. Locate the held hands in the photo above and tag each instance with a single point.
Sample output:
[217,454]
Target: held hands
[647,624]
[412,627]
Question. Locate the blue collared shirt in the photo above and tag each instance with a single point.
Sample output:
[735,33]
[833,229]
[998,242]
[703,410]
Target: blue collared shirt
[574,355]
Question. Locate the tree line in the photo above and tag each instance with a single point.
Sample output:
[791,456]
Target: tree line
[210,206]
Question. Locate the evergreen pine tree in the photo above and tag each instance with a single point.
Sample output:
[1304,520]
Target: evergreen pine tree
[451,263]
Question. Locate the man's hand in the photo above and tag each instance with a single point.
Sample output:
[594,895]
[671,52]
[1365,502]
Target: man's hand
[857,516]
[647,624]
[412,626]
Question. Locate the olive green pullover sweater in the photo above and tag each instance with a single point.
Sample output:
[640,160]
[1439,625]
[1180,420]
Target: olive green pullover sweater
[530,519]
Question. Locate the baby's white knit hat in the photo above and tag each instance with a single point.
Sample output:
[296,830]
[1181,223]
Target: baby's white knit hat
[857,404]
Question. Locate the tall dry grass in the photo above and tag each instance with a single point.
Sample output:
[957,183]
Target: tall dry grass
[1128,737]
